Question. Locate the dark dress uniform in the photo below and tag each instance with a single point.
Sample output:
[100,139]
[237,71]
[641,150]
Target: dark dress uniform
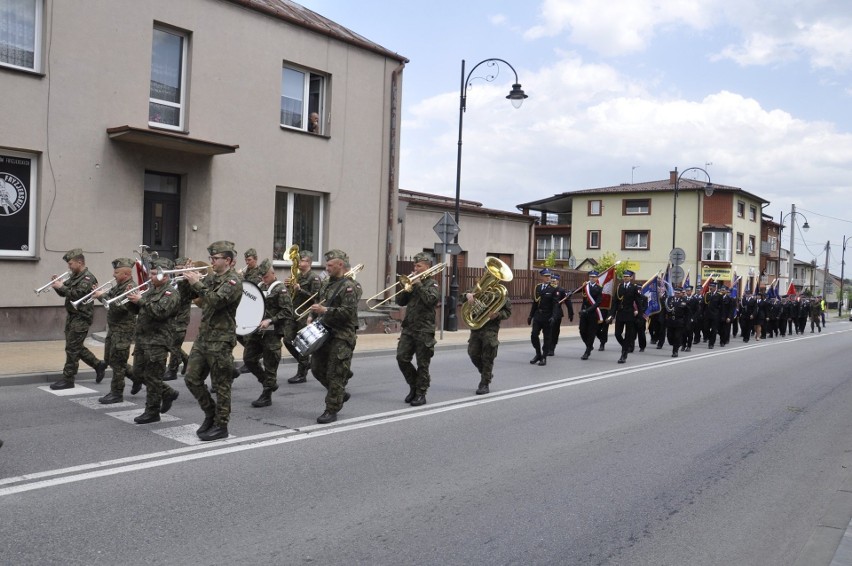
[726,317]
[213,350]
[483,343]
[542,316]
[562,299]
[747,317]
[331,363]
[418,334]
[693,302]
[625,311]
[712,315]
[78,320]
[309,286]
[677,313]
[590,315]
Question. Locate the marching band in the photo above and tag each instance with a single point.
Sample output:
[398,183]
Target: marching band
[316,320]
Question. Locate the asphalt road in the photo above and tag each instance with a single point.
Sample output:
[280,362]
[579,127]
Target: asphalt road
[729,456]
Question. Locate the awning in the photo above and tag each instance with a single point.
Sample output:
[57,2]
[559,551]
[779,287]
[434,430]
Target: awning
[169,140]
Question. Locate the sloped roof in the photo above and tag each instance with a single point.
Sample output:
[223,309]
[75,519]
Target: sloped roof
[297,14]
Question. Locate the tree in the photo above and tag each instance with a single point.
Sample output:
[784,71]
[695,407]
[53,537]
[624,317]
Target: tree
[607,260]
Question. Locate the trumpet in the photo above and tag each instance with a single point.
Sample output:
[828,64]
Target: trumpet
[162,274]
[406,282]
[122,298]
[43,288]
[90,296]
[300,315]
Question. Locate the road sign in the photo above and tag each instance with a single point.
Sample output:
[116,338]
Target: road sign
[677,256]
[446,228]
[449,248]
[677,274]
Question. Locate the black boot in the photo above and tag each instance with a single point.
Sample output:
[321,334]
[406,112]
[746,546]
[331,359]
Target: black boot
[543,361]
[411,395]
[265,398]
[136,387]
[100,371]
[111,398]
[300,377]
[586,354]
[482,389]
[601,348]
[170,375]
[674,353]
[536,359]
[216,432]
[62,384]
[418,400]
[327,417]
[206,425]
[623,358]
[147,417]
[168,399]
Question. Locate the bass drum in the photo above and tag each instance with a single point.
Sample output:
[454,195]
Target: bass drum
[309,339]
[250,310]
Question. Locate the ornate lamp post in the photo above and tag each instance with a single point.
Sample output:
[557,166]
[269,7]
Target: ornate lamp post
[516,96]
[708,191]
[805,228]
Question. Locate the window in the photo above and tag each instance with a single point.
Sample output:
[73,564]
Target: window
[771,268]
[637,206]
[20,33]
[740,242]
[751,244]
[773,244]
[632,240]
[594,208]
[544,245]
[740,209]
[302,94]
[298,220]
[166,102]
[593,240]
[716,246]
[752,213]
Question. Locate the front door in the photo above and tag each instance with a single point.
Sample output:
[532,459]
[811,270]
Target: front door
[161,219]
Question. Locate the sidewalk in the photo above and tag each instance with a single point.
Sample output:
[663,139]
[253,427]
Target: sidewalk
[41,362]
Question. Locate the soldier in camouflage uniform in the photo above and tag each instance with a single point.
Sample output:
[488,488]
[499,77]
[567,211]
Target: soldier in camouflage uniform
[179,322]
[121,323]
[78,320]
[266,342]
[338,307]
[156,306]
[212,352]
[308,285]
[418,331]
[482,344]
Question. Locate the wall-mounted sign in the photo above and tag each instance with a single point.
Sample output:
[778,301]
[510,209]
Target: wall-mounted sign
[17,204]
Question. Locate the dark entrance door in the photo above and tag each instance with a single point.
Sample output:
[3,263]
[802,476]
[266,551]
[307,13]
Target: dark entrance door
[161,219]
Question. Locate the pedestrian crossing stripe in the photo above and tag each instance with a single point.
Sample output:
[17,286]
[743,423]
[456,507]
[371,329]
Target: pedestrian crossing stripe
[92,403]
[128,416]
[184,434]
[76,390]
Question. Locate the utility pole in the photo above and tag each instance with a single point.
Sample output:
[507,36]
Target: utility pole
[825,273]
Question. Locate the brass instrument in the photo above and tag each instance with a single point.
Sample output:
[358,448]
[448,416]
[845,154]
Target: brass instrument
[122,298]
[406,282]
[489,295]
[300,315]
[90,296]
[207,268]
[293,254]
[43,288]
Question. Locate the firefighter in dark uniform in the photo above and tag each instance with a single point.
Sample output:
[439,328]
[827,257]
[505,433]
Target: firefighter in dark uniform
[542,316]
[562,298]
[590,314]
[677,314]
[625,311]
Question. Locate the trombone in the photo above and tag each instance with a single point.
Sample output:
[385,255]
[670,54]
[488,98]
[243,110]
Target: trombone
[406,281]
[90,296]
[63,277]
[300,315]
[122,298]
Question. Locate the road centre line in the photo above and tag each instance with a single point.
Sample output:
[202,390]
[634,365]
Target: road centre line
[189,453]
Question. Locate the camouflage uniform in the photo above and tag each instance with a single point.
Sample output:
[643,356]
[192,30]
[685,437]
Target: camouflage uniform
[153,338]
[482,344]
[179,322]
[418,331]
[267,344]
[331,363]
[253,275]
[212,351]
[121,324]
[309,284]
[78,320]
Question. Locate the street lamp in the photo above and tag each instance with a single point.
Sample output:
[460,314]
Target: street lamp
[842,265]
[805,228]
[516,96]
[708,190]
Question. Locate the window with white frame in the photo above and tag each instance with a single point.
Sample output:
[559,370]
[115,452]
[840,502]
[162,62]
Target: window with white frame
[752,242]
[544,245]
[740,209]
[167,97]
[20,33]
[752,213]
[637,206]
[635,240]
[716,245]
[740,242]
[594,240]
[302,95]
[298,220]
[594,208]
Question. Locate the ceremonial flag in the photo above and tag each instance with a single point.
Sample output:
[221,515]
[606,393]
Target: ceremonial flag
[770,291]
[651,291]
[686,280]
[705,288]
[607,283]
[791,290]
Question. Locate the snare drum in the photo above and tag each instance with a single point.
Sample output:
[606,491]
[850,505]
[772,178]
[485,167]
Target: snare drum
[250,310]
[309,339]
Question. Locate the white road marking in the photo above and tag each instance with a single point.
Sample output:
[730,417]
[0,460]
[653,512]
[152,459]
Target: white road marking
[128,416]
[92,403]
[76,390]
[185,434]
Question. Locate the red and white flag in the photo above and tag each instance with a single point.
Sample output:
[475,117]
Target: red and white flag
[791,290]
[607,282]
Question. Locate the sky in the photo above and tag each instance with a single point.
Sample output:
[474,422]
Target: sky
[756,92]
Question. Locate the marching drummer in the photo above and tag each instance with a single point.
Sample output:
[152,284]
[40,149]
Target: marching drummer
[266,342]
[220,293]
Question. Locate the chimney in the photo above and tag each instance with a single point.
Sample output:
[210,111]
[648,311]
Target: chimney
[673,177]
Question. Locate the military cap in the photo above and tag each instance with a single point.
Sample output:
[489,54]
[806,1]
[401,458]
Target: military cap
[545,272]
[221,246]
[181,260]
[555,277]
[71,254]
[336,254]
[594,273]
[161,263]
[251,252]
[122,262]
[264,266]
[678,289]
[627,273]
[712,284]
[687,287]
[423,256]
[306,254]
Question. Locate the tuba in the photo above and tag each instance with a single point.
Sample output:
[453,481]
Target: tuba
[293,255]
[489,295]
